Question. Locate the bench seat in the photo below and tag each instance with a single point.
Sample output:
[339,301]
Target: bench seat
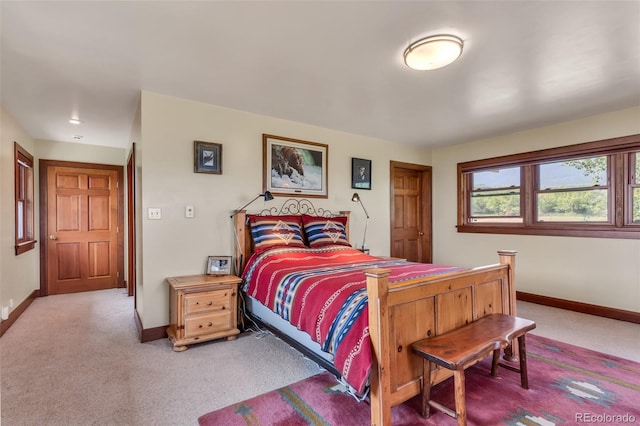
[465,346]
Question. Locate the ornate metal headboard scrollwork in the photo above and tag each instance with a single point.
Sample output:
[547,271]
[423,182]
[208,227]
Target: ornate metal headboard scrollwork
[290,207]
[293,206]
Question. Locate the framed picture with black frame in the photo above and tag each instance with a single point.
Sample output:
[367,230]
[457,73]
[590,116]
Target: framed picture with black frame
[207,157]
[360,173]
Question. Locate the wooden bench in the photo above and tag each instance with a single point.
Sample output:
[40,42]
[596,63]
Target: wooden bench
[466,346]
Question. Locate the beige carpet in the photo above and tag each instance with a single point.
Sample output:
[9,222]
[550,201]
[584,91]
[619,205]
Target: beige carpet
[76,360]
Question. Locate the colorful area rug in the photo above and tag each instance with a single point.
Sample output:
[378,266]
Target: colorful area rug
[568,385]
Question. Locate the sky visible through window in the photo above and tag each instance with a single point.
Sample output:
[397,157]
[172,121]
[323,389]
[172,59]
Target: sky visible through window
[497,178]
[575,174]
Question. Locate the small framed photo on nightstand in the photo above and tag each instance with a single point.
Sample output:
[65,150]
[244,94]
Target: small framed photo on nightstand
[219,265]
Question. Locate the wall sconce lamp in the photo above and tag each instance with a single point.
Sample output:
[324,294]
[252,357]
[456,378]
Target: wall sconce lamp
[356,199]
[268,196]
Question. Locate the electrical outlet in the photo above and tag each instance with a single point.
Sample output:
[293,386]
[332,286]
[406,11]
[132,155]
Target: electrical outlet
[11,303]
[189,212]
[5,313]
[155,213]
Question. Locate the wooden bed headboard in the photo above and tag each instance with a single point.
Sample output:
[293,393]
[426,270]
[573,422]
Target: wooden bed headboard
[290,207]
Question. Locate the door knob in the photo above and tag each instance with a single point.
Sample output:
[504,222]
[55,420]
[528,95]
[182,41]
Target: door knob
[421,233]
[53,237]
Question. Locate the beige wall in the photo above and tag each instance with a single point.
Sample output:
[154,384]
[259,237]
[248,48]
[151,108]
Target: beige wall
[175,245]
[590,270]
[19,275]
[83,153]
[136,137]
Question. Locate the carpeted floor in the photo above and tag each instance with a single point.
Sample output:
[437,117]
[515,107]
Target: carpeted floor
[568,385]
[75,360]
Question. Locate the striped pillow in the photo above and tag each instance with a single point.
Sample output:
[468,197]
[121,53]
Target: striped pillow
[275,231]
[323,231]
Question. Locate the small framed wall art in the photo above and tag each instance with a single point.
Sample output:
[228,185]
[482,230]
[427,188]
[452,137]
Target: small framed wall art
[219,265]
[360,173]
[207,157]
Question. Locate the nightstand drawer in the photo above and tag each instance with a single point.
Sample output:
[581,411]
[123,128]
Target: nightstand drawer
[207,301]
[207,323]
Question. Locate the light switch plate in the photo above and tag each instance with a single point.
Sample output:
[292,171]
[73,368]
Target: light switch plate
[155,213]
[189,212]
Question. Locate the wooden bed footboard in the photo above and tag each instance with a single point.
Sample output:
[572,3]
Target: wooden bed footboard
[403,313]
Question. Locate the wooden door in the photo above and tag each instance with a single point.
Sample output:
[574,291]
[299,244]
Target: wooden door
[82,217]
[411,212]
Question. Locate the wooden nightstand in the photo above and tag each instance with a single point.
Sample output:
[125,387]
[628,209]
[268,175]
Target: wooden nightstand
[202,308]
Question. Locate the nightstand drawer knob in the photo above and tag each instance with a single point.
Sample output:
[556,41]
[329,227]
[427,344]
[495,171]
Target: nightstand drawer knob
[210,303]
[210,324]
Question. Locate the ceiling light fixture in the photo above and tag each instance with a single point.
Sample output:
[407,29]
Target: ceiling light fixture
[433,52]
[75,121]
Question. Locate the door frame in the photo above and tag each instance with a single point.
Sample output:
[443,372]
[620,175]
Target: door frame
[426,208]
[44,211]
[131,223]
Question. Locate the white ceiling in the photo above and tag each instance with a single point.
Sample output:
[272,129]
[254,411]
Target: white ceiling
[328,63]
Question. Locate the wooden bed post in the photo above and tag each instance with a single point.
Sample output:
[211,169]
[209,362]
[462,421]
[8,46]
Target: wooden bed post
[241,243]
[379,328]
[347,214]
[508,257]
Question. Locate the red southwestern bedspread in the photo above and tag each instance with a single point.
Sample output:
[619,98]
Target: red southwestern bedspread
[322,291]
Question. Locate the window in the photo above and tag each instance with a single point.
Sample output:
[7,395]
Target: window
[634,187]
[573,191]
[24,199]
[585,190]
[495,195]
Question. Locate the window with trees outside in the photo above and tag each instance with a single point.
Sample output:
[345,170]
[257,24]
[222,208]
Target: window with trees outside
[24,199]
[635,187]
[585,190]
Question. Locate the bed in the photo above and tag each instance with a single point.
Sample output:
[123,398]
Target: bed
[357,315]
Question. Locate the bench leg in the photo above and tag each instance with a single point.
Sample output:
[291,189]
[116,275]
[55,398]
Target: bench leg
[461,408]
[524,379]
[426,387]
[494,363]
